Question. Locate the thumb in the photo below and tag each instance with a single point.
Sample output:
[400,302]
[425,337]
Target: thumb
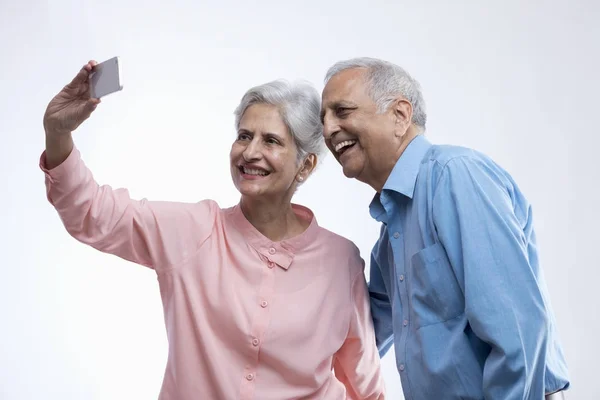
[81,77]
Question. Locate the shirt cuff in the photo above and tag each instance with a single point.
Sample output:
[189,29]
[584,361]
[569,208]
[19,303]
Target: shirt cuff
[56,173]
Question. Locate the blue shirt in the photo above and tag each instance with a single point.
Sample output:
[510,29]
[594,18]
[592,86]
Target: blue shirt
[456,284]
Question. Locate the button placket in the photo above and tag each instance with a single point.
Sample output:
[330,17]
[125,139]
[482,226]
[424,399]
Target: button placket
[397,246]
[258,327]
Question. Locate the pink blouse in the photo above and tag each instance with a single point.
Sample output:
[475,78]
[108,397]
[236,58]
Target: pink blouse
[246,318]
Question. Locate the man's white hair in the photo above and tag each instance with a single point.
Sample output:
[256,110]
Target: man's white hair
[386,82]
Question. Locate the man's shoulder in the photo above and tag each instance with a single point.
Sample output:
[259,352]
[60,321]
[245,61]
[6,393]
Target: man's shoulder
[443,154]
[462,162]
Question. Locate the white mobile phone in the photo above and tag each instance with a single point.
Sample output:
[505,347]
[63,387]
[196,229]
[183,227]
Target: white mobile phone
[106,78]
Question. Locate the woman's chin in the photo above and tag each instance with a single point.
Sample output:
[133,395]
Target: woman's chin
[250,189]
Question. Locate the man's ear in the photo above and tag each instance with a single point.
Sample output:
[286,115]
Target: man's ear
[403,111]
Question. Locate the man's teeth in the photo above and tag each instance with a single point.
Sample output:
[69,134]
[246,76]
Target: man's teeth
[250,171]
[345,143]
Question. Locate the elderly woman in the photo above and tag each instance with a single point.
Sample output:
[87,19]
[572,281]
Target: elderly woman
[260,302]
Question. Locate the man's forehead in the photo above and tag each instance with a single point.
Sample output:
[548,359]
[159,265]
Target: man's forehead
[342,85]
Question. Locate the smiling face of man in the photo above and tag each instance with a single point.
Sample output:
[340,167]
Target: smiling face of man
[364,141]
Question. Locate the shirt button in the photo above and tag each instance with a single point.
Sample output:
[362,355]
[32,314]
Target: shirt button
[272,250]
[405,322]
[264,304]
[401,367]
[250,377]
[271,264]
[396,235]
[401,278]
[255,342]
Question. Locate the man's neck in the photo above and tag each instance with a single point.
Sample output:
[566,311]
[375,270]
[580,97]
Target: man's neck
[276,220]
[381,176]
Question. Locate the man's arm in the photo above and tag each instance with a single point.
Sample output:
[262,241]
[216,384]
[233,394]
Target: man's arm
[381,308]
[476,223]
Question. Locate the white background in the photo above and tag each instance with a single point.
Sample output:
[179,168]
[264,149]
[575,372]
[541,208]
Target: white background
[517,80]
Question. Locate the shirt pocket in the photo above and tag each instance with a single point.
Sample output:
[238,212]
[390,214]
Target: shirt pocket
[435,293]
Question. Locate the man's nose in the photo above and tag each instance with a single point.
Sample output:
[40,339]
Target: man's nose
[330,127]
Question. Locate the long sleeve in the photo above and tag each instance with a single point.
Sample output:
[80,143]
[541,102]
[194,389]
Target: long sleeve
[381,308]
[357,363]
[480,218]
[154,234]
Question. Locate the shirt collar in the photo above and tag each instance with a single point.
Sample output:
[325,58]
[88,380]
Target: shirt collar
[282,252]
[403,177]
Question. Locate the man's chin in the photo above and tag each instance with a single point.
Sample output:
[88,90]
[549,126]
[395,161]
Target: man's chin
[351,173]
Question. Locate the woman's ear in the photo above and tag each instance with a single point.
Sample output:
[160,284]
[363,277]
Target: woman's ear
[308,165]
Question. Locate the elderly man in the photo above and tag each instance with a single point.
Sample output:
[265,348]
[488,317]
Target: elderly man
[455,281]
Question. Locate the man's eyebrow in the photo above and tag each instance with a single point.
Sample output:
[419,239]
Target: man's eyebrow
[334,105]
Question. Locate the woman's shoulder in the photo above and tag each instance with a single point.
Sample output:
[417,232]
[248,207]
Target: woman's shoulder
[201,211]
[341,248]
[327,235]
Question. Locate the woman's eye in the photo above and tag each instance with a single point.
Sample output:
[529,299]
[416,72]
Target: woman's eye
[243,136]
[272,141]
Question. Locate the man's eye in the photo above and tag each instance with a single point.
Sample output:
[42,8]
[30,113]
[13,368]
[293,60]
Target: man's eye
[243,136]
[272,141]
[342,111]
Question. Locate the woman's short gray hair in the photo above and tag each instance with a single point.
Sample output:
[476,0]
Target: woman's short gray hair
[386,82]
[299,104]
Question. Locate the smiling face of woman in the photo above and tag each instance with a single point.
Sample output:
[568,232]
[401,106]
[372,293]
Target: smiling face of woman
[264,157]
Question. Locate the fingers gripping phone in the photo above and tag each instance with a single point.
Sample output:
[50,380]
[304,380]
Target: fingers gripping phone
[106,78]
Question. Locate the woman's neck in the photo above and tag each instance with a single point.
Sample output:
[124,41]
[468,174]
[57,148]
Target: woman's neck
[276,221]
